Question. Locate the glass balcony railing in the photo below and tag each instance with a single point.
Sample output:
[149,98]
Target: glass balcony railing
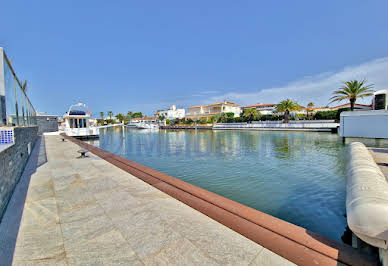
[18,109]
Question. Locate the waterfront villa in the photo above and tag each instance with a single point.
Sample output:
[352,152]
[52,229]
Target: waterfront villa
[206,111]
[265,109]
[172,113]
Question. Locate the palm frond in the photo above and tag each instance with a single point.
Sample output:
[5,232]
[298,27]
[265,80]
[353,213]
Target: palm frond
[352,90]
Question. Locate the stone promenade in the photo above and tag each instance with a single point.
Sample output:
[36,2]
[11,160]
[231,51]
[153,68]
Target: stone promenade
[69,211]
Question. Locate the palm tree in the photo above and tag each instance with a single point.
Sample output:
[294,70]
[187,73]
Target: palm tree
[351,91]
[102,115]
[309,106]
[110,114]
[129,116]
[287,106]
[250,113]
[120,117]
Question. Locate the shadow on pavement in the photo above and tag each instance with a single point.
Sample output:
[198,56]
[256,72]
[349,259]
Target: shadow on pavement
[10,223]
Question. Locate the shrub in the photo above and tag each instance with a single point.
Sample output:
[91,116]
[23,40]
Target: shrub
[203,120]
[229,115]
[326,115]
[188,121]
[110,121]
[168,121]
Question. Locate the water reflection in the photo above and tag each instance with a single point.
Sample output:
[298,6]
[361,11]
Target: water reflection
[296,176]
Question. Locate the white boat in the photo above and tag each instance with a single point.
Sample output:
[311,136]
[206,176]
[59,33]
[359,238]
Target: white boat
[79,124]
[143,125]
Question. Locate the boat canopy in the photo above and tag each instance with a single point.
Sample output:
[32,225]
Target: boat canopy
[77,112]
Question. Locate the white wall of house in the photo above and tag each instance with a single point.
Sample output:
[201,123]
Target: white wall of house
[231,109]
[364,124]
[214,109]
[173,113]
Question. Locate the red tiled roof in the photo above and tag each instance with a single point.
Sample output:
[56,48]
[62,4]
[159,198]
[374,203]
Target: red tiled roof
[348,105]
[196,106]
[217,103]
[315,108]
[261,105]
[229,103]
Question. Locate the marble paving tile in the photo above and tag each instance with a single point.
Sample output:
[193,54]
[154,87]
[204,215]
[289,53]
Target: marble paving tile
[39,178]
[268,258]
[101,261]
[58,261]
[63,171]
[108,248]
[40,191]
[65,181]
[81,214]
[100,184]
[182,252]
[74,197]
[39,244]
[76,233]
[117,201]
[90,172]
[145,232]
[212,238]
[38,215]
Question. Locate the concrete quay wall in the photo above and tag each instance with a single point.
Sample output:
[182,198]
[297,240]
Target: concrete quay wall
[12,162]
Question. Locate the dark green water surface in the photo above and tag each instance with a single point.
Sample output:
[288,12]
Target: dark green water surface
[296,176]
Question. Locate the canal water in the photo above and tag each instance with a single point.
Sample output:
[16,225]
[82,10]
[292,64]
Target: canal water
[295,176]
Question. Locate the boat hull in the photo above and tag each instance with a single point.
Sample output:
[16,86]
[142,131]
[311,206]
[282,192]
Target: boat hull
[83,133]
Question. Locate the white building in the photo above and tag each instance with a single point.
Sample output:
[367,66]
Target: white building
[206,111]
[172,113]
[264,109]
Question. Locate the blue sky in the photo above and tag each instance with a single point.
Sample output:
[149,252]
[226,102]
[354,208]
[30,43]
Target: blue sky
[147,55]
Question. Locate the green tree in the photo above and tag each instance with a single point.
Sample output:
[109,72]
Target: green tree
[352,90]
[120,117]
[161,117]
[137,115]
[203,120]
[213,119]
[102,115]
[249,114]
[287,106]
[310,105]
[110,114]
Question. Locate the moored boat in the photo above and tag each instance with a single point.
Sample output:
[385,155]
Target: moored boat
[76,123]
